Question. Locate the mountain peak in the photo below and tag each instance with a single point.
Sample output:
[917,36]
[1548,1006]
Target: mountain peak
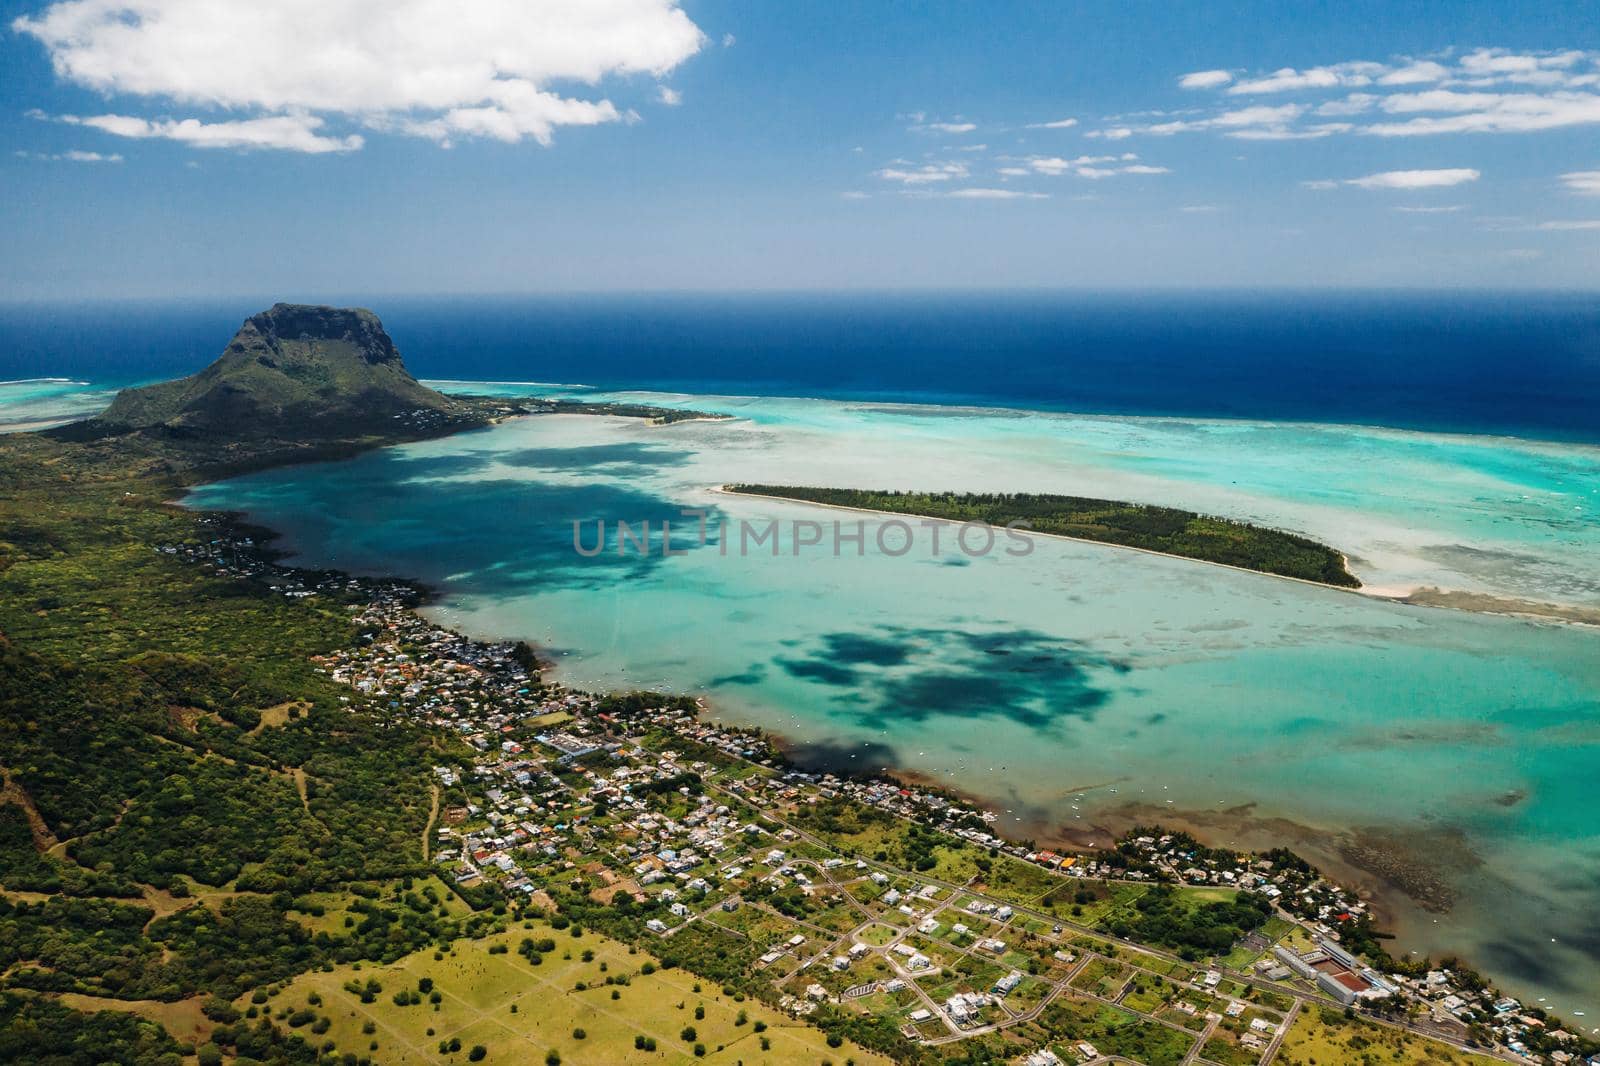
[309,322]
[293,371]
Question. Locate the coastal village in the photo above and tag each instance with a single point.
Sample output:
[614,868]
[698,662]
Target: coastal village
[872,904]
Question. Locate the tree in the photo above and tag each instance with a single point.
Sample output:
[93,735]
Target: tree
[478,1053]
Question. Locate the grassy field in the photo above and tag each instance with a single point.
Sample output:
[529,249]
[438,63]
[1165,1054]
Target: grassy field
[336,907]
[182,1019]
[519,1012]
[1318,1038]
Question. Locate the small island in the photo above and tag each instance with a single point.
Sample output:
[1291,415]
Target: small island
[655,416]
[1167,530]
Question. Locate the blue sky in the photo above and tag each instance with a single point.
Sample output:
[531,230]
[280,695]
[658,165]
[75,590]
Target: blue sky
[217,147]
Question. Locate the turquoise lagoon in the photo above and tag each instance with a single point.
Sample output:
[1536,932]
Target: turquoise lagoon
[1080,686]
[36,403]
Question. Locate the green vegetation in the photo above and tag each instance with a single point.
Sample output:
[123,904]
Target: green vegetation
[293,368]
[211,852]
[111,754]
[1328,1036]
[138,763]
[1118,1032]
[196,809]
[1134,525]
[481,990]
[36,1030]
[1192,926]
[24,868]
[296,383]
[660,416]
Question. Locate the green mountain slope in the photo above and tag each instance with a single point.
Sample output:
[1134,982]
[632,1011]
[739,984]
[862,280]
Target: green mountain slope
[295,369]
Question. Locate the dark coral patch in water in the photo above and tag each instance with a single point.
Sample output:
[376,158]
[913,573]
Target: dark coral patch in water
[921,672]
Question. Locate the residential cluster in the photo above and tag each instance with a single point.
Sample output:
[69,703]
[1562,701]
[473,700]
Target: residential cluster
[701,828]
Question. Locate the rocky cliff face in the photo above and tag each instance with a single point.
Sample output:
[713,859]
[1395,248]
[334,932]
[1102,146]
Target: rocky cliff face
[293,371]
[308,322]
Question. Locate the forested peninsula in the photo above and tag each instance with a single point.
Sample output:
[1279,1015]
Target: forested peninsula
[1167,530]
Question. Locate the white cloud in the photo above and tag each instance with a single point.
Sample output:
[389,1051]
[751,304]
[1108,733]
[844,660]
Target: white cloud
[1200,209]
[293,132]
[1047,165]
[1498,65]
[1058,124]
[1115,133]
[1288,79]
[1259,122]
[1205,79]
[1284,133]
[1260,115]
[946,127]
[1416,179]
[1583,182]
[1482,67]
[423,67]
[1444,209]
[1570,225]
[926,174]
[1320,183]
[73,155]
[670,97]
[854,194]
[993,194]
[1417,72]
[1489,90]
[1447,111]
[1354,104]
[1084,166]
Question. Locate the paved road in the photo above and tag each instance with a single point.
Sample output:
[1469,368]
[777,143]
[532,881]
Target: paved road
[1277,1038]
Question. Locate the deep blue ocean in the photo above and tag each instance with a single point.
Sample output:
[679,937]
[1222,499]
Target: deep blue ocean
[1517,363]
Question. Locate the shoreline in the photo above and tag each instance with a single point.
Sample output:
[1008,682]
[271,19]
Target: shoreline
[1243,828]
[724,490]
[1275,832]
[1379,894]
[1423,596]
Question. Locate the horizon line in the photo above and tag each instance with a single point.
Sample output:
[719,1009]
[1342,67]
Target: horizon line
[353,297]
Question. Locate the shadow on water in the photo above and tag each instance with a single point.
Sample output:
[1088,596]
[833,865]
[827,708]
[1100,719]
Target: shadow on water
[435,517]
[846,760]
[914,674]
